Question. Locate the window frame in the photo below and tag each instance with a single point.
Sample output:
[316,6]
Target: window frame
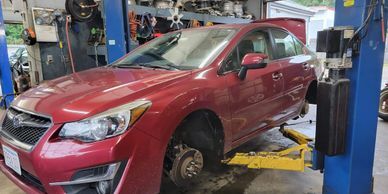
[297,41]
[270,50]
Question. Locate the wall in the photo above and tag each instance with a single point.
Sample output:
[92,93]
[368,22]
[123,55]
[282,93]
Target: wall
[323,19]
[8,13]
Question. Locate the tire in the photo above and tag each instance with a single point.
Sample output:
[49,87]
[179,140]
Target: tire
[383,105]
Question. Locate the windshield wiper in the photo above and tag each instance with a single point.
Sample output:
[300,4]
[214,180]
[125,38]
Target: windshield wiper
[154,66]
[146,65]
[128,66]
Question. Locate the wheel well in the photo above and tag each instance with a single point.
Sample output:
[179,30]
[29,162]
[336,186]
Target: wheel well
[311,95]
[203,131]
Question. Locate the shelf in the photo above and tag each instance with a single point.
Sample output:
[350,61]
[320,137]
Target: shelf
[164,13]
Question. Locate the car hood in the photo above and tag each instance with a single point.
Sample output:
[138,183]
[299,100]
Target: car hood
[81,95]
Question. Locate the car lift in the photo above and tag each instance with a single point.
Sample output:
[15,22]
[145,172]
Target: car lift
[345,151]
[293,159]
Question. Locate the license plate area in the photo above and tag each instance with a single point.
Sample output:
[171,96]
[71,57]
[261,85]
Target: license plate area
[11,159]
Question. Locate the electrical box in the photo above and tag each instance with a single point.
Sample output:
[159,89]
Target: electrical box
[44,23]
[329,41]
[335,42]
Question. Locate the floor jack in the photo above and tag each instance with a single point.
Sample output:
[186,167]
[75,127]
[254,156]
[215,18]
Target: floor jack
[293,159]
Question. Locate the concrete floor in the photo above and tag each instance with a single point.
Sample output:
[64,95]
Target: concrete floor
[235,180]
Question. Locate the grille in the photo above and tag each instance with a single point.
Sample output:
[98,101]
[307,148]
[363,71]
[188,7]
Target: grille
[25,127]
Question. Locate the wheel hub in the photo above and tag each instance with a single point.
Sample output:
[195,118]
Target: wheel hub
[187,164]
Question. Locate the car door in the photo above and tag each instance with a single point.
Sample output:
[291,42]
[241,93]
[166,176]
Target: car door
[253,100]
[295,68]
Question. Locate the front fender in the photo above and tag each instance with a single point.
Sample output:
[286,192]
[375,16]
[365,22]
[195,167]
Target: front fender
[171,106]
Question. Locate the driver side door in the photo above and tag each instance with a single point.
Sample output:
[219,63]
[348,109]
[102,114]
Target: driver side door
[255,101]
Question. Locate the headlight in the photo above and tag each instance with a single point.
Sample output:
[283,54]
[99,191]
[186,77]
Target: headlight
[107,124]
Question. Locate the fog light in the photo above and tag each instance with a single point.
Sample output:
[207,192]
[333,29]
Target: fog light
[104,187]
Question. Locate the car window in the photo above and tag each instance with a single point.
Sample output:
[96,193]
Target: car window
[299,47]
[232,61]
[253,42]
[285,45]
[184,50]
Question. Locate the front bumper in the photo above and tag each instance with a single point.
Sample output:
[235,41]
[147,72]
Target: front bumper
[21,182]
[56,160]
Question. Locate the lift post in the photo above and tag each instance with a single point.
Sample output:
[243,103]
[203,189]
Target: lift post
[117,32]
[5,68]
[352,171]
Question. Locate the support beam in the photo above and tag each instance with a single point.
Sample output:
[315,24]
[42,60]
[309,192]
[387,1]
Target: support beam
[5,70]
[116,28]
[352,172]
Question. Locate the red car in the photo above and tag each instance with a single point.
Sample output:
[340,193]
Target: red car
[173,105]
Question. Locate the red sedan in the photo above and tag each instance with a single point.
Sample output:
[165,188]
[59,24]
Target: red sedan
[171,106]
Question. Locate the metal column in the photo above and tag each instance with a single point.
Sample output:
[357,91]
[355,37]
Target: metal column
[351,173]
[116,28]
[5,70]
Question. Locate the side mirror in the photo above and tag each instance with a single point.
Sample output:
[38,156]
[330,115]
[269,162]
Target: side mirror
[252,61]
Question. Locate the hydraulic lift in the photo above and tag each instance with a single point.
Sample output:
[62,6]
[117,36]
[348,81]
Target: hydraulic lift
[346,159]
[347,104]
[293,159]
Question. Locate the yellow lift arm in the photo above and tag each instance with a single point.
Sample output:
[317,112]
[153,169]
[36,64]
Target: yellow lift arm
[293,159]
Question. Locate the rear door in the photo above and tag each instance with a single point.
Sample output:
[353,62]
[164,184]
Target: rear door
[294,62]
[253,100]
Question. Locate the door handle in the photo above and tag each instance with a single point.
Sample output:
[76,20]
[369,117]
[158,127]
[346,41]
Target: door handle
[277,76]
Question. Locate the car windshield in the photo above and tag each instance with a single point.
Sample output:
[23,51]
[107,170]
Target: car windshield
[182,50]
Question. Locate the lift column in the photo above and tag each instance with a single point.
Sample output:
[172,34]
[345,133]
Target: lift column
[115,15]
[352,172]
[5,70]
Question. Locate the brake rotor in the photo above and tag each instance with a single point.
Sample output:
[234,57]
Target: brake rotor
[187,165]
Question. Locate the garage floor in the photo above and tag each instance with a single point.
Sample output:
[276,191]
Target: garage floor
[235,180]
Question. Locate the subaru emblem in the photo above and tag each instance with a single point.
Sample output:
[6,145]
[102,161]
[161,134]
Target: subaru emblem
[17,120]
